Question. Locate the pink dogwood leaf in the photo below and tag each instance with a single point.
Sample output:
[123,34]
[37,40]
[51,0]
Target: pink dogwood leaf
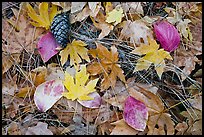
[47,94]
[167,35]
[135,113]
[47,46]
[95,103]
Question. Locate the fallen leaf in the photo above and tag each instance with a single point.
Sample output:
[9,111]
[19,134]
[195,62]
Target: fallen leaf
[167,35]
[107,65]
[76,86]
[181,24]
[196,102]
[14,129]
[162,120]
[135,113]
[153,55]
[136,31]
[93,6]
[181,128]
[76,49]
[104,113]
[185,58]
[47,94]
[47,46]
[102,25]
[39,129]
[87,11]
[65,5]
[115,16]
[116,96]
[155,110]
[77,6]
[44,19]
[95,103]
[25,38]
[122,128]
[8,60]
[133,7]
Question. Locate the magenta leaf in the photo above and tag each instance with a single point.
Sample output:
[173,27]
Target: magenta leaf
[167,35]
[47,46]
[95,103]
[47,94]
[135,113]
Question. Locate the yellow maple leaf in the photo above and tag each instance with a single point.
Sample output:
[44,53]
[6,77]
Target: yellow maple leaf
[44,19]
[76,87]
[153,55]
[75,50]
[107,65]
[115,16]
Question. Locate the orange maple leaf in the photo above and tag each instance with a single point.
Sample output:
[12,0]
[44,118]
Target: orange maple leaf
[107,65]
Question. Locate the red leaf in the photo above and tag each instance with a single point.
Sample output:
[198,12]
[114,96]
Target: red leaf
[135,113]
[47,46]
[167,35]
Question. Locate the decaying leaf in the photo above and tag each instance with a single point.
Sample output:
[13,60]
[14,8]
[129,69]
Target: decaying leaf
[155,109]
[8,60]
[115,16]
[77,6]
[116,96]
[102,25]
[47,46]
[182,24]
[76,49]
[65,5]
[135,113]
[136,31]
[107,66]
[39,129]
[44,18]
[14,41]
[14,129]
[122,128]
[95,103]
[47,94]
[162,120]
[76,86]
[153,55]
[133,7]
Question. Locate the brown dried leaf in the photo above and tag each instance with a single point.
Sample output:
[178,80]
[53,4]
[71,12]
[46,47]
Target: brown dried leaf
[122,128]
[185,58]
[39,129]
[25,38]
[8,60]
[155,109]
[107,66]
[136,31]
[116,96]
[132,7]
[181,128]
[99,23]
[14,129]
[77,6]
[162,120]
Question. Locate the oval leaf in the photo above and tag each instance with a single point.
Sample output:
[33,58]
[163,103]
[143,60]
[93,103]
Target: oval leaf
[47,46]
[135,113]
[47,94]
[95,103]
[167,35]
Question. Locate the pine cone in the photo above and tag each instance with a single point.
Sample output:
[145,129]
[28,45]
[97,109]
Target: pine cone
[60,28]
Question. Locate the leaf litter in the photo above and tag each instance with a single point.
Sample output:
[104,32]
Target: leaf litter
[114,76]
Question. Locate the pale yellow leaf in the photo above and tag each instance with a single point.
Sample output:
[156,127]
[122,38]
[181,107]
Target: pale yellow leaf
[115,16]
[76,49]
[76,86]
